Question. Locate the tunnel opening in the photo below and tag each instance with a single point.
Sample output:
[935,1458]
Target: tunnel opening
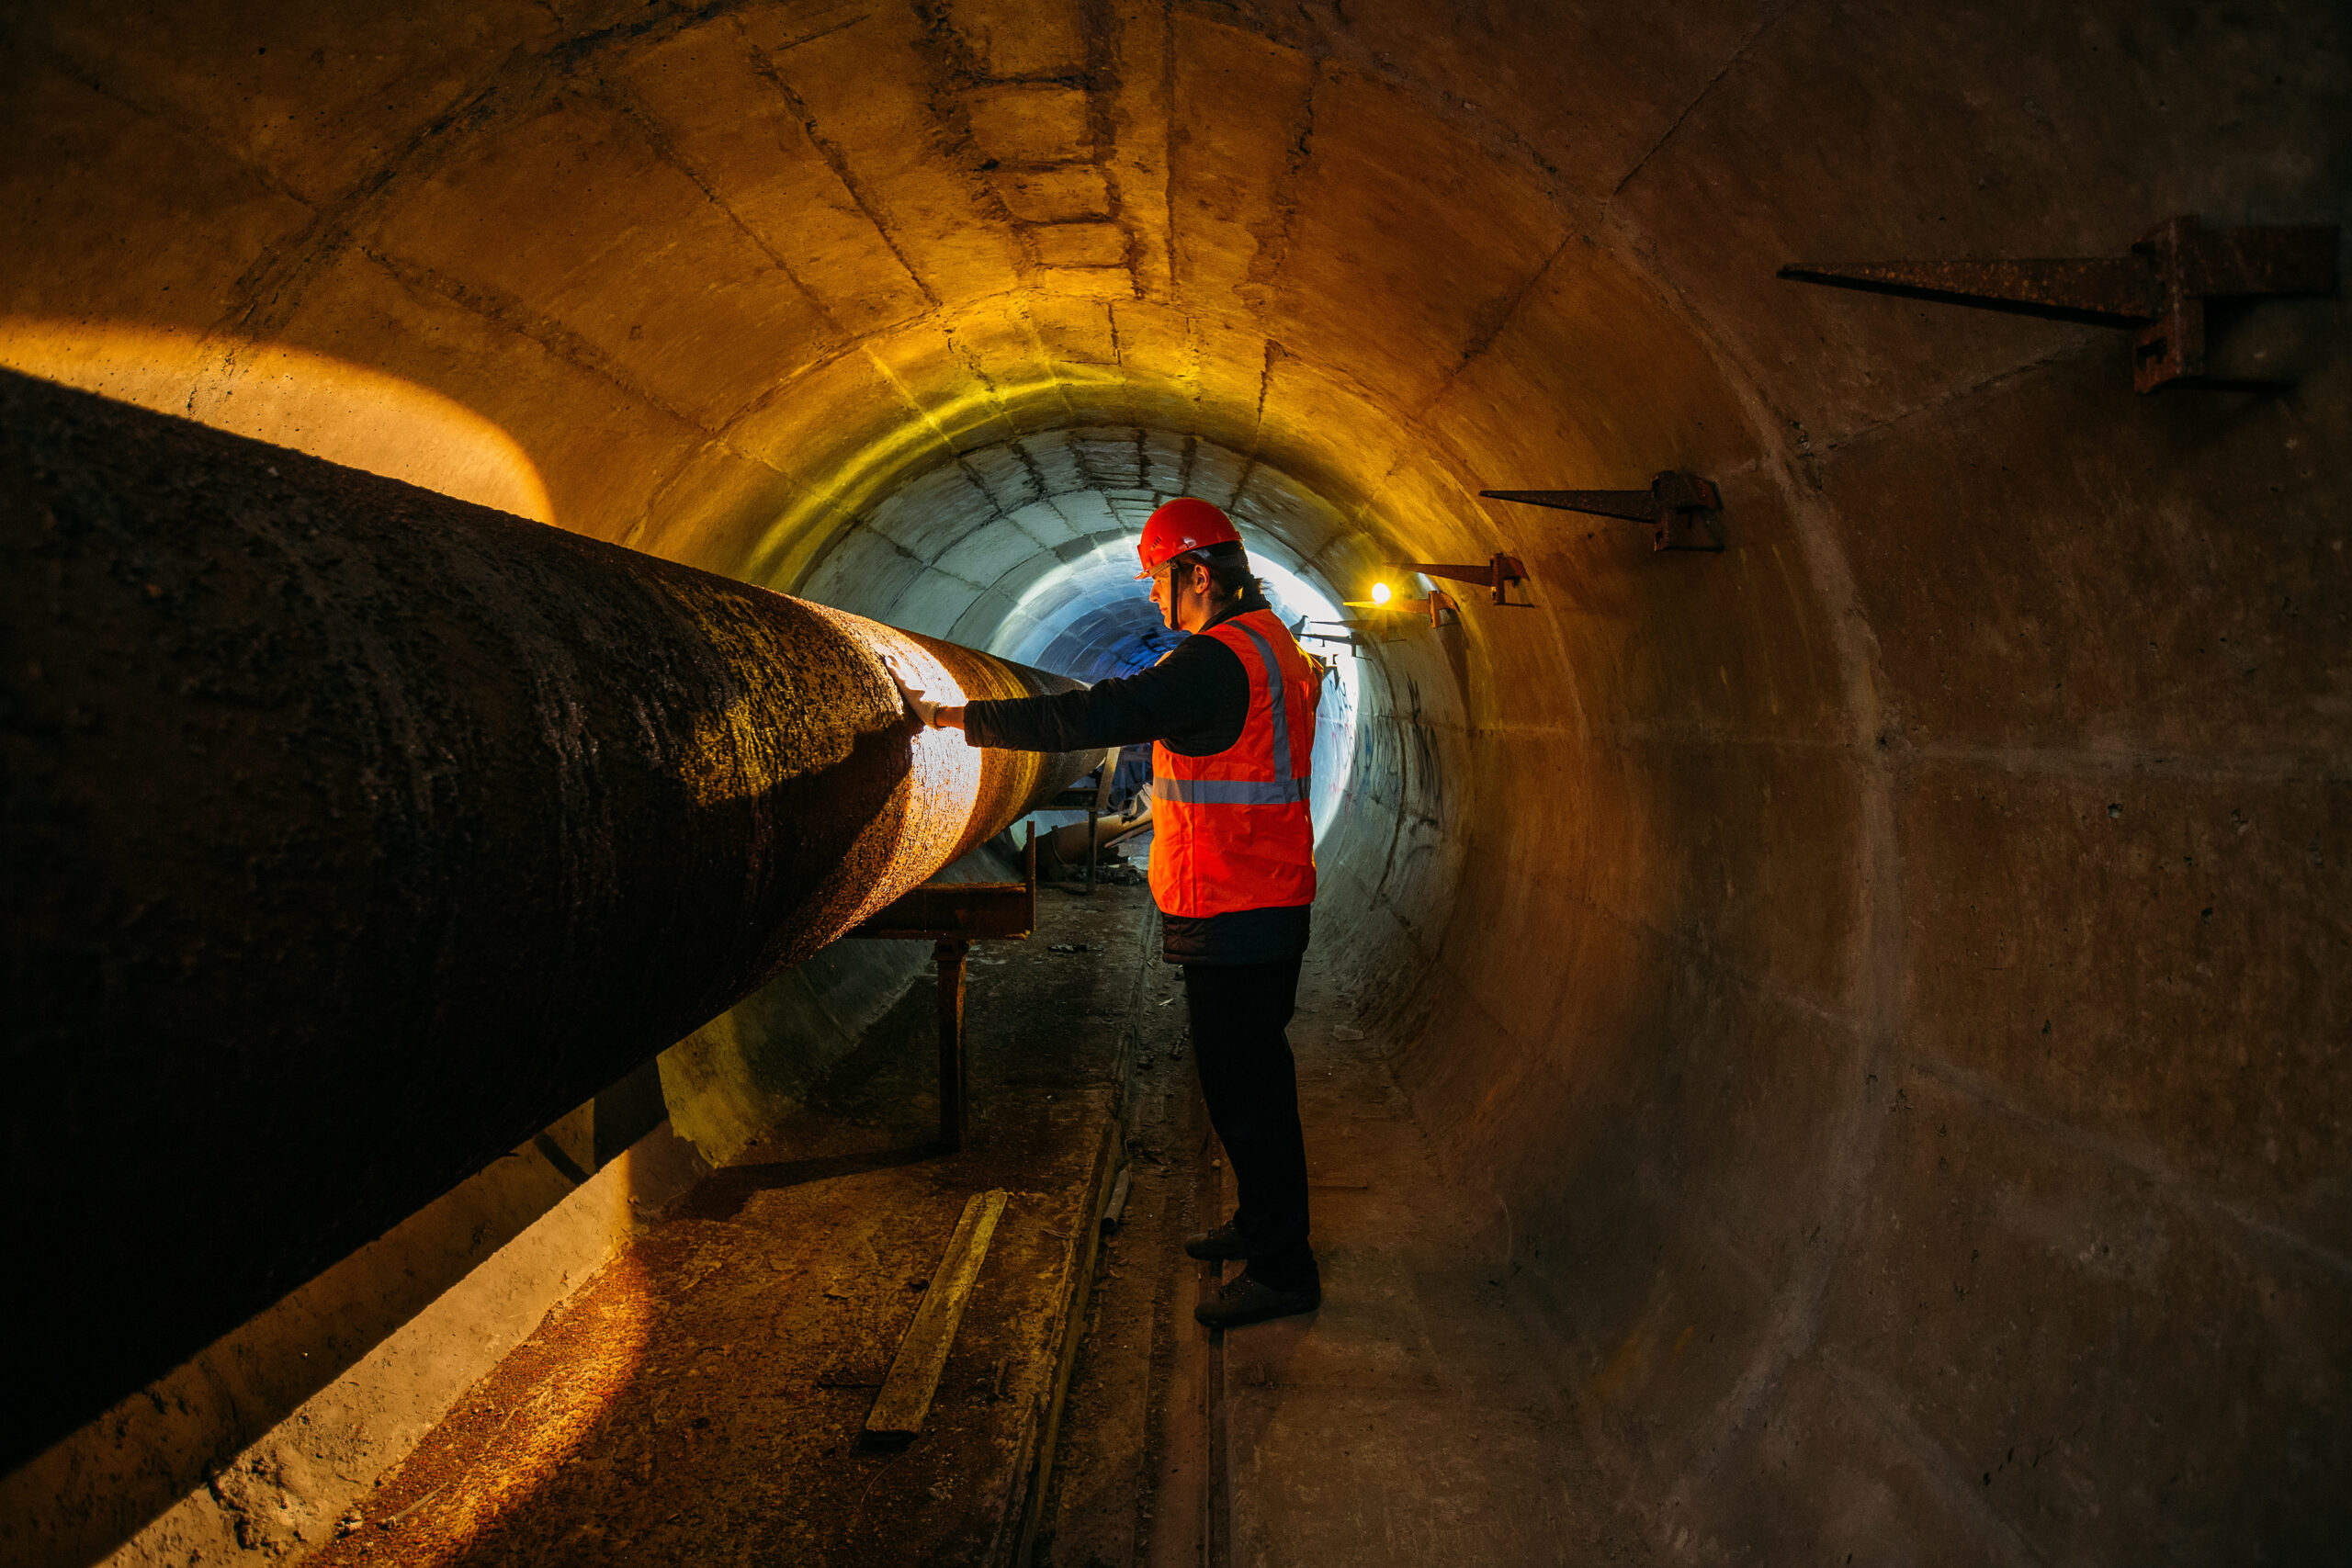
[1026,549]
[1050,582]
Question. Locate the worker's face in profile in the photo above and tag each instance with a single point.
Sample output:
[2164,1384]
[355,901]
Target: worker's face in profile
[1181,596]
[1159,594]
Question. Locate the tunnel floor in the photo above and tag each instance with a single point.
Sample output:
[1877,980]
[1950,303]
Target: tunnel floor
[701,1399]
[1412,1420]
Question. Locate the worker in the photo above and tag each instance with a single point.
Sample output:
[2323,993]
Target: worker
[1230,711]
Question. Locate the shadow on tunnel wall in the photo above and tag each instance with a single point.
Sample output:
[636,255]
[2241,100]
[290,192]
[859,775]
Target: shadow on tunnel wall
[734,1081]
[247,1439]
[288,397]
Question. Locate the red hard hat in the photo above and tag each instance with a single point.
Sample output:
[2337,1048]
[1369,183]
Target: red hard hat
[1185,524]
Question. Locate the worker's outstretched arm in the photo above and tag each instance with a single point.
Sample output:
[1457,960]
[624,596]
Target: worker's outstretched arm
[1196,699]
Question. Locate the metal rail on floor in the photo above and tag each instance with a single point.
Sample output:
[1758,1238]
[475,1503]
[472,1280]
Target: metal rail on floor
[1217,1490]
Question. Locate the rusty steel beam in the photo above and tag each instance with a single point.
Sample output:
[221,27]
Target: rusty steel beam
[1499,572]
[955,911]
[2158,288]
[354,833]
[1678,506]
[2104,290]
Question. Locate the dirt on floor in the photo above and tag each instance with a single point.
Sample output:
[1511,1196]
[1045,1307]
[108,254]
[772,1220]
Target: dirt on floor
[1418,1417]
[701,1400]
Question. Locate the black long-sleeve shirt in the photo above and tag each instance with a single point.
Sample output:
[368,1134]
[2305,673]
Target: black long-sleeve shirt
[1195,701]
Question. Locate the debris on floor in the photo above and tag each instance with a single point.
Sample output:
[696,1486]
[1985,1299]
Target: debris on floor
[703,1399]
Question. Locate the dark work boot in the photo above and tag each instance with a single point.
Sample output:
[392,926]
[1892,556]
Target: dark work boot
[1251,1300]
[1221,1245]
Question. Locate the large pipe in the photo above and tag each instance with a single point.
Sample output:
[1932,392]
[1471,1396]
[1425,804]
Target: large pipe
[354,833]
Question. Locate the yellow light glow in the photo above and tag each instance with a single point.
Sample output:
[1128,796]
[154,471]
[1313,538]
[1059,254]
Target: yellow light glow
[329,408]
[1380,593]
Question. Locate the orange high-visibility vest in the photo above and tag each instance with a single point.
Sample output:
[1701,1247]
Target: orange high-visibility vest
[1231,831]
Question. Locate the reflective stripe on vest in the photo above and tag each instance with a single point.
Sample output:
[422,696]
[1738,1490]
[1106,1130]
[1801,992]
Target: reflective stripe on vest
[1281,691]
[1230,791]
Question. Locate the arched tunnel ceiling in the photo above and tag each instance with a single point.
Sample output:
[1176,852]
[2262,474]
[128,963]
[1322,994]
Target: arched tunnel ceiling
[1007,546]
[777,258]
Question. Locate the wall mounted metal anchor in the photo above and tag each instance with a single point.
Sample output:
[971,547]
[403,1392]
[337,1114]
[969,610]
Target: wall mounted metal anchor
[1497,575]
[1679,507]
[1437,606]
[2159,288]
[1351,637]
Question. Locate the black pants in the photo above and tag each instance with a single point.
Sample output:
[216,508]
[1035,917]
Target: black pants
[1239,1013]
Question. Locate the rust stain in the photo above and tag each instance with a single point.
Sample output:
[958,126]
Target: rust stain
[1624,1364]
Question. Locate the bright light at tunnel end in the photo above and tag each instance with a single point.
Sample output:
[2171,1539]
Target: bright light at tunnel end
[1067,596]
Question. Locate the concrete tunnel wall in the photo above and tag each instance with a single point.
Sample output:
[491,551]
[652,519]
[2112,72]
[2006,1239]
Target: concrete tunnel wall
[1886,980]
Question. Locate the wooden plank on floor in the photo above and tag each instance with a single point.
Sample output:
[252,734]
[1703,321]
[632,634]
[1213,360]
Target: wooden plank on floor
[898,1410]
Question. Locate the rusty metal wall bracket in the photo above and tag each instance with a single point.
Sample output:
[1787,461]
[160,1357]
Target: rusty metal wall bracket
[1680,507]
[1497,575]
[1385,611]
[1436,606]
[1349,638]
[2159,288]
[952,916]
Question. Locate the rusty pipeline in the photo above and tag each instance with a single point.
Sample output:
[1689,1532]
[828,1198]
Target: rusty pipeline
[354,833]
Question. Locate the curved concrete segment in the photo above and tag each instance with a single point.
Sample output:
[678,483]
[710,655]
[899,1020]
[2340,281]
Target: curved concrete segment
[354,833]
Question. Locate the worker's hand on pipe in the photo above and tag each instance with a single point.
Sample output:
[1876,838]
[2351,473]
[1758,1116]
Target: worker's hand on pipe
[930,715]
[926,712]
